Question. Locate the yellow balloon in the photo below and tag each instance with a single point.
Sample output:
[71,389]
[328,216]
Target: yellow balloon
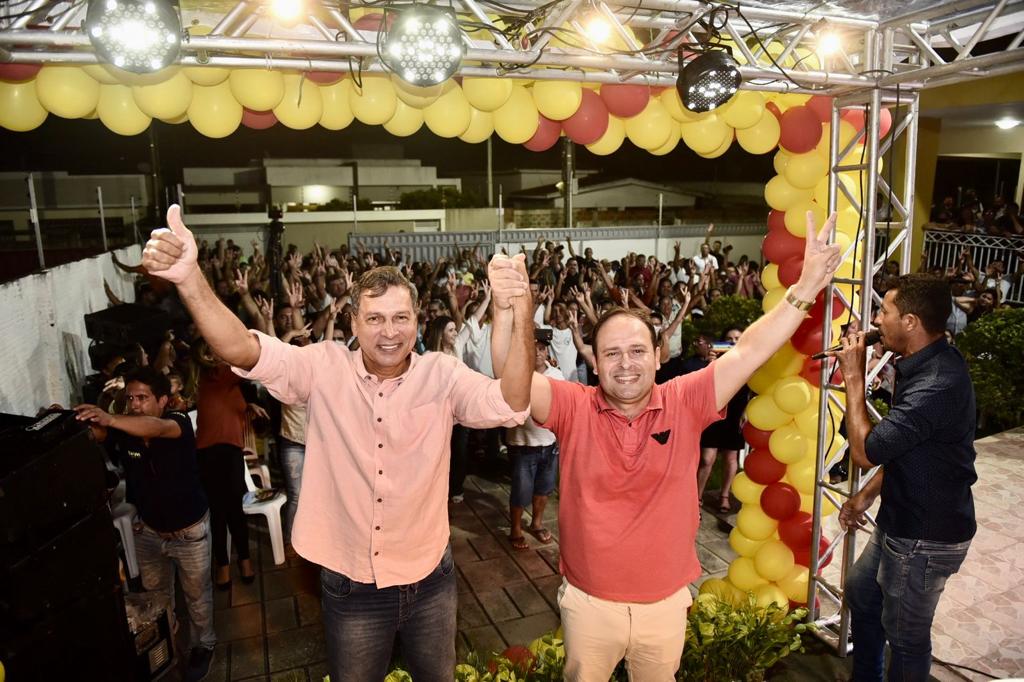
[206,75]
[793,99]
[796,217]
[848,221]
[806,170]
[793,394]
[705,135]
[787,444]
[745,490]
[721,589]
[807,505]
[406,121]
[782,196]
[762,381]
[67,91]
[673,140]
[651,128]
[794,584]
[743,545]
[807,422]
[743,575]
[766,595]
[375,102]
[762,137]
[802,475]
[214,111]
[257,89]
[177,119]
[166,100]
[417,96]
[487,94]
[786,361]
[773,560]
[119,112]
[770,276]
[20,109]
[612,138]
[755,524]
[99,74]
[780,161]
[301,107]
[337,108]
[450,115]
[772,298]
[746,110]
[558,100]
[481,127]
[842,203]
[132,79]
[722,149]
[516,121]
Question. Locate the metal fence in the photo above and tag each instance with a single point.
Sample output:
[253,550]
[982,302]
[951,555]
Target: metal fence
[944,249]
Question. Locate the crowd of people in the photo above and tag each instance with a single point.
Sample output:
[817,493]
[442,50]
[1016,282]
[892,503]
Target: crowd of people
[1000,218]
[459,326]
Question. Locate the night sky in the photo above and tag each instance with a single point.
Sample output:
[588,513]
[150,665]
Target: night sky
[86,146]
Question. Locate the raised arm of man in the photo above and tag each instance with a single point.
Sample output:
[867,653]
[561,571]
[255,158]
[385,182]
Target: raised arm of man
[134,425]
[171,254]
[761,339]
[512,334]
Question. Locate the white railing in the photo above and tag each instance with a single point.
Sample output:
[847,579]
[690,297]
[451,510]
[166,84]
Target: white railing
[944,249]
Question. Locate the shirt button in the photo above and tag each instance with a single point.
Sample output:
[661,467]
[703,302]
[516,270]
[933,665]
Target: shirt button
[376,553]
[381,395]
[380,471]
[380,499]
[379,419]
[378,528]
[380,445]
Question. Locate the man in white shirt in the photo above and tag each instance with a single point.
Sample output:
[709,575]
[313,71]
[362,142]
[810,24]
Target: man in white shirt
[701,260]
[534,456]
[561,345]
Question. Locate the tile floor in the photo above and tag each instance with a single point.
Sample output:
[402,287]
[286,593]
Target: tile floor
[271,630]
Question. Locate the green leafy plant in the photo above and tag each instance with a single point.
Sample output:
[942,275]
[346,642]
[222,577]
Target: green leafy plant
[728,312]
[994,346]
[726,642]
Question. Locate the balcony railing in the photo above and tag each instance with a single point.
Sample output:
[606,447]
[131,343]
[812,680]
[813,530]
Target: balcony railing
[944,249]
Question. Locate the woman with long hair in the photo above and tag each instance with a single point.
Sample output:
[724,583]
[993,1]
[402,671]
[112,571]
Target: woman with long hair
[440,338]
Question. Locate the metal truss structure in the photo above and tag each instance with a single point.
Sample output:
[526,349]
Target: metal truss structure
[886,59]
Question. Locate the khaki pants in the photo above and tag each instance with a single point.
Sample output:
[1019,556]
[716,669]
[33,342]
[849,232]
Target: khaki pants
[598,634]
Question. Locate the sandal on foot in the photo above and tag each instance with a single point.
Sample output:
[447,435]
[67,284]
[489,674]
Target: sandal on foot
[519,544]
[724,506]
[542,534]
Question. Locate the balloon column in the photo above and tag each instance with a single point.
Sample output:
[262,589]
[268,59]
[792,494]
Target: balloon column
[773,530]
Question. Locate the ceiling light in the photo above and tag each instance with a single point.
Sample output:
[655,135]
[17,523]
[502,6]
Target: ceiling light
[286,10]
[829,43]
[424,46]
[597,29]
[709,81]
[1007,123]
[135,35]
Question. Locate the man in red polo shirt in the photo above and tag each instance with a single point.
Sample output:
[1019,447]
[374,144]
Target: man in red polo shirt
[628,499]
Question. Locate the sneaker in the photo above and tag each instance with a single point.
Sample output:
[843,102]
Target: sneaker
[199,663]
[457,499]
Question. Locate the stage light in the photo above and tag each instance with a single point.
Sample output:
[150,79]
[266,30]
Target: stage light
[1007,123]
[424,46]
[829,43]
[598,29]
[286,10]
[709,81]
[135,35]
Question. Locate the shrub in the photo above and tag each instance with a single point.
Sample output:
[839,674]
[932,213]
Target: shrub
[994,346]
[728,312]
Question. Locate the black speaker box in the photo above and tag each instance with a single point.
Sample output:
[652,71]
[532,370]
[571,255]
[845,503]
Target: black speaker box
[127,324]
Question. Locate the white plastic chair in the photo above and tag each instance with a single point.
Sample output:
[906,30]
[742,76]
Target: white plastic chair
[271,509]
[123,515]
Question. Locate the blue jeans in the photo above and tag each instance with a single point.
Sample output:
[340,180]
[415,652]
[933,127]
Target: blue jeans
[189,551]
[293,456]
[892,593]
[360,623]
[534,472]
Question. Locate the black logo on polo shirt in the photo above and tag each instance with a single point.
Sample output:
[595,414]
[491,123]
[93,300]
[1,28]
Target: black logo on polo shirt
[661,437]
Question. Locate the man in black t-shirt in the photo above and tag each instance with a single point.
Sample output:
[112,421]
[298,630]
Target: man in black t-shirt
[925,448]
[158,453]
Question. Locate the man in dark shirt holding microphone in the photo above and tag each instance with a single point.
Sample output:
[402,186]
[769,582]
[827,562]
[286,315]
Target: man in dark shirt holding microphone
[925,446]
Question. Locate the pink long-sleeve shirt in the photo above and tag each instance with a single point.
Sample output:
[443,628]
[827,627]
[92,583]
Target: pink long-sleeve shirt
[375,480]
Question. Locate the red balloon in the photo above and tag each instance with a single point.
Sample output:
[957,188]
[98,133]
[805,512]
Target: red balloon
[795,531]
[808,336]
[854,116]
[822,106]
[780,500]
[17,73]
[625,99]
[774,108]
[779,246]
[258,120]
[801,130]
[803,556]
[789,271]
[589,122]
[546,136]
[776,220]
[373,21]
[817,311]
[762,468]
[757,438]
[884,123]
[324,77]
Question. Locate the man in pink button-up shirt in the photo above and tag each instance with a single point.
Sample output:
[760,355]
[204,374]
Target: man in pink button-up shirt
[373,509]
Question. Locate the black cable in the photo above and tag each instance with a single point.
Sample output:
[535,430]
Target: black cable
[964,667]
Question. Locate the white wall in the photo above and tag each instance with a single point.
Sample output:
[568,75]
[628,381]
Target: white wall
[982,140]
[43,344]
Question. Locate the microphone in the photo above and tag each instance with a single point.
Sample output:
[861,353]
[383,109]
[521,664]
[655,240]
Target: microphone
[870,339]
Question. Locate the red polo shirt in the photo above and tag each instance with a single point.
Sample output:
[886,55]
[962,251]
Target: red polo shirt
[627,513]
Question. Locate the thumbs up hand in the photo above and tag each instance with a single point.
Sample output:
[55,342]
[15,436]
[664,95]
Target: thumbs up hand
[171,252]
